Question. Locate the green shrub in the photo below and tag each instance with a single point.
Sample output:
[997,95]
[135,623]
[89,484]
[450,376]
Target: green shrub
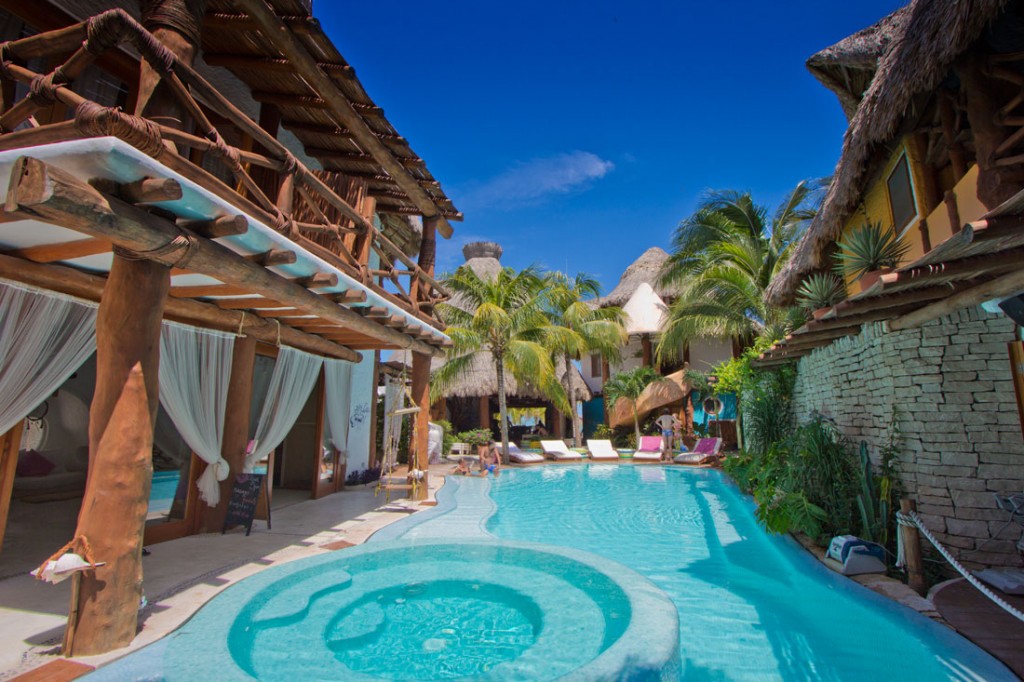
[869,248]
[475,436]
[449,435]
[619,437]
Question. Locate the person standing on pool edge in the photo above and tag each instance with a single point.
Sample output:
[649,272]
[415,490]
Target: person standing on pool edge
[668,423]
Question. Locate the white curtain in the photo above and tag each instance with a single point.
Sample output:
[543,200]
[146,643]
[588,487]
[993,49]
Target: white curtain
[393,391]
[295,374]
[195,368]
[338,398]
[44,338]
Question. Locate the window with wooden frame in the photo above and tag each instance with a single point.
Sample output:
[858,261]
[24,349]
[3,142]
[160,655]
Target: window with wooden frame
[901,195]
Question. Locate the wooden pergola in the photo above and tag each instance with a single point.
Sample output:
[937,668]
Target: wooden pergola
[189,209]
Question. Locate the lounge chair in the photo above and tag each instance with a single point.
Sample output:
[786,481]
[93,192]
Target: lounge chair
[649,449]
[602,450]
[705,450]
[559,451]
[520,457]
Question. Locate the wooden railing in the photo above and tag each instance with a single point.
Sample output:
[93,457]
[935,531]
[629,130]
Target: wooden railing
[345,241]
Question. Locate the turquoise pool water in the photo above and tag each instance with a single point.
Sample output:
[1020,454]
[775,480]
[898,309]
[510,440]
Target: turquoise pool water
[751,606]
[582,572]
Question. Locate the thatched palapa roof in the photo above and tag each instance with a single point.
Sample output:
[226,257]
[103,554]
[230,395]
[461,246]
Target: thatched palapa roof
[480,379]
[931,35]
[847,67]
[647,268]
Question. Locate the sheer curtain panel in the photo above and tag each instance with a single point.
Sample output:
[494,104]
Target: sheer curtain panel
[44,338]
[294,376]
[195,368]
[338,398]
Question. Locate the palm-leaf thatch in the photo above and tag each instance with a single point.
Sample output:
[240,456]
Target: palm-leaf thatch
[933,34]
[647,268]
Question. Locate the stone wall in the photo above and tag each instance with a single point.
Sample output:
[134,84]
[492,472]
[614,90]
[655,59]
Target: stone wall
[951,386]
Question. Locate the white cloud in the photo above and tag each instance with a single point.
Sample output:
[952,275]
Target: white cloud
[530,182]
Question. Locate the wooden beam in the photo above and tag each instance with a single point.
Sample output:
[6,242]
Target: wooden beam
[225,226]
[249,303]
[1001,287]
[226,21]
[87,286]
[350,296]
[294,51]
[338,131]
[320,280]
[50,253]
[53,195]
[374,311]
[273,257]
[144,191]
[267,65]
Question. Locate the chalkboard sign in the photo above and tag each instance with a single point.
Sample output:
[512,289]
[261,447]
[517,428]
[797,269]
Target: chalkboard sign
[245,495]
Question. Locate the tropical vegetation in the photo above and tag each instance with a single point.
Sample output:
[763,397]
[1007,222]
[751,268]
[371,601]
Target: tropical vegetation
[868,248]
[582,329]
[723,258]
[820,290]
[503,316]
[629,385]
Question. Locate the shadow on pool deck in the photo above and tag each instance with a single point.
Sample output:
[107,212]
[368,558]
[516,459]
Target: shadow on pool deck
[181,575]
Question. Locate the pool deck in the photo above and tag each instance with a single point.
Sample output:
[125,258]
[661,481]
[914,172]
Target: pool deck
[975,617]
[181,575]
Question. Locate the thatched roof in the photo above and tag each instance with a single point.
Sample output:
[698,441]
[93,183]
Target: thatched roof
[919,57]
[847,67]
[480,379]
[647,268]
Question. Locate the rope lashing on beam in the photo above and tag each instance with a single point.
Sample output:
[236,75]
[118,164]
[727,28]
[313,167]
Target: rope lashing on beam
[94,120]
[183,17]
[914,521]
[182,243]
[43,89]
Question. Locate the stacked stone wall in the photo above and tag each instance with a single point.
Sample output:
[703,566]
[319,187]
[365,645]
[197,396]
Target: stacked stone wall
[950,384]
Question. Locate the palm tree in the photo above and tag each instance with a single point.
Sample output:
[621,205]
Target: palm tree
[579,328]
[502,316]
[630,385]
[724,256]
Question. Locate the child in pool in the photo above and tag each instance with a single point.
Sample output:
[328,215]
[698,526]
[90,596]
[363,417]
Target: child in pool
[461,469]
[490,460]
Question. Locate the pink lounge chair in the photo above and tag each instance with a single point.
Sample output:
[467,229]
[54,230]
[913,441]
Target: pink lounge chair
[649,450]
[705,450]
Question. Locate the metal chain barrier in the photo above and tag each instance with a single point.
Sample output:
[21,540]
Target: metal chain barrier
[912,519]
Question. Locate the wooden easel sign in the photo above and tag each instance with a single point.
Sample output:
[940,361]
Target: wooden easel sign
[245,495]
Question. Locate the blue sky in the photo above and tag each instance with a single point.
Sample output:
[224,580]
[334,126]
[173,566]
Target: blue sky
[578,134]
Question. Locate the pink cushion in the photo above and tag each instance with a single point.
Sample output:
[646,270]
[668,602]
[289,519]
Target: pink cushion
[706,446]
[650,443]
[33,464]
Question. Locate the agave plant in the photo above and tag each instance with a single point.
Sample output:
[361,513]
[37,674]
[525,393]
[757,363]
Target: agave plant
[869,248]
[820,290]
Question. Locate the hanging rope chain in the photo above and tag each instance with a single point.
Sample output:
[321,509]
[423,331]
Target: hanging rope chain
[913,520]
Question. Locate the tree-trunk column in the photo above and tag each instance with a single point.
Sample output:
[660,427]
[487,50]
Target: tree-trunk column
[421,396]
[121,420]
[484,412]
[236,429]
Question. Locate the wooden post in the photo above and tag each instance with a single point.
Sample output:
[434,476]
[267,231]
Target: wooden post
[988,134]
[1016,350]
[9,443]
[912,550]
[372,456]
[421,396]
[484,411]
[236,429]
[121,422]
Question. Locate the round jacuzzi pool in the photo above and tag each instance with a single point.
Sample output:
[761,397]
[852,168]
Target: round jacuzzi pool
[480,610]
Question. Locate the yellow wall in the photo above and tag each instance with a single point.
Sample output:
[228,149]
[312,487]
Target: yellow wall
[875,204]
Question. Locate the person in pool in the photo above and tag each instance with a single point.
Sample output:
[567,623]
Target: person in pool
[461,469]
[490,460]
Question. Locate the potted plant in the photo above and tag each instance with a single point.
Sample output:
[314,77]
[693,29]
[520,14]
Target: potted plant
[476,437]
[869,251]
[819,292]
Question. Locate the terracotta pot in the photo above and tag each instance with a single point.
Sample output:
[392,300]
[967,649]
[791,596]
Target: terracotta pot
[868,279]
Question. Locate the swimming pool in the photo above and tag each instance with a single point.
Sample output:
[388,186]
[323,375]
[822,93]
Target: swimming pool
[748,606]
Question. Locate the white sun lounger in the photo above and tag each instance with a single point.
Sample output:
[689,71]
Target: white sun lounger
[519,457]
[602,450]
[559,451]
[649,450]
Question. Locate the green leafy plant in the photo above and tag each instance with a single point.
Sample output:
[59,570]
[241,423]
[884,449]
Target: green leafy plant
[869,248]
[628,386]
[820,290]
[878,491]
[475,436]
[449,435]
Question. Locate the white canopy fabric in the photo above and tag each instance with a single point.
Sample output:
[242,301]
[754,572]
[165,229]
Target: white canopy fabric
[337,399]
[44,338]
[195,368]
[645,311]
[295,374]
